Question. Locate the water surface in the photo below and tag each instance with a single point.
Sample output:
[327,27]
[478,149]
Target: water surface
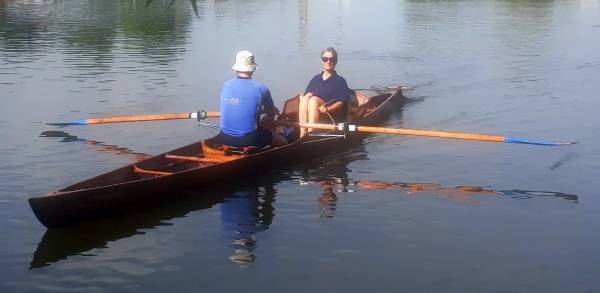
[392,214]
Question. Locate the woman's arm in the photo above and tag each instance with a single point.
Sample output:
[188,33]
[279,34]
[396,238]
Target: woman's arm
[331,108]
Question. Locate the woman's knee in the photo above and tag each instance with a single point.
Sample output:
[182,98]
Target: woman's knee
[304,100]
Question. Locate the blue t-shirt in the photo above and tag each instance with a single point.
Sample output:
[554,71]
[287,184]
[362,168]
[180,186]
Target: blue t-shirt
[240,101]
[332,89]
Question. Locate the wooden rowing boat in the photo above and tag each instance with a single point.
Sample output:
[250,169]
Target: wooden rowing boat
[200,164]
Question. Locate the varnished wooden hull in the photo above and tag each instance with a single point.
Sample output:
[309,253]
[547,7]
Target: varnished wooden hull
[120,190]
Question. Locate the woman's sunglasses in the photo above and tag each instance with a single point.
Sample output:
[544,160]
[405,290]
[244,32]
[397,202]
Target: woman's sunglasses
[332,59]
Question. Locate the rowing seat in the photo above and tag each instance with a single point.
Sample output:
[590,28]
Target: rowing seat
[214,148]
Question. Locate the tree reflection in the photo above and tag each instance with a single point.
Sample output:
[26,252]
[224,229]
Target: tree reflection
[193,3]
[93,29]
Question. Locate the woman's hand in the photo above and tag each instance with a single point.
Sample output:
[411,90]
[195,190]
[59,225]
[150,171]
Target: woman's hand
[323,109]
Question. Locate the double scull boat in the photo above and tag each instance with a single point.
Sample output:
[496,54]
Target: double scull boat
[200,164]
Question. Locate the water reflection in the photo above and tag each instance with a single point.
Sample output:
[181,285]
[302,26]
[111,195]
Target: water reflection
[244,212]
[332,175]
[248,209]
[243,215]
[469,194]
[98,34]
[60,243]
[97,145]
[460,193]
[327,200]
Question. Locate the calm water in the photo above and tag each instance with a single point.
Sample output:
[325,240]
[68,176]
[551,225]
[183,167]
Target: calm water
[393,214]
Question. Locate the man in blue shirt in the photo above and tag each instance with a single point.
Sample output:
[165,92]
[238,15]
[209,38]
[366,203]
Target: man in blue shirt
[242,101]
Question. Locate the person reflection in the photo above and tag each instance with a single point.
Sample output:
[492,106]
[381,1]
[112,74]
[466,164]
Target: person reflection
[327,200]
[332,177]
[243,215]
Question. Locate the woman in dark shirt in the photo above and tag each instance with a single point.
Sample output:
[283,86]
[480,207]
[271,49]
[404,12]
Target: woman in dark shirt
[327,92]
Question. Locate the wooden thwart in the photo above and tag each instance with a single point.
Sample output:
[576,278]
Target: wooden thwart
[137,169]
[215,159]
[175,157]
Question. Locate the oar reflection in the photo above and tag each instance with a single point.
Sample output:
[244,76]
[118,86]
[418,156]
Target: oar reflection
[98,145]
[459,193]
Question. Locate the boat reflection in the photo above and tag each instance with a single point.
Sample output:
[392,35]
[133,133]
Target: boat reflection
[60,243]
[245,211]
[243,215]
[98,145]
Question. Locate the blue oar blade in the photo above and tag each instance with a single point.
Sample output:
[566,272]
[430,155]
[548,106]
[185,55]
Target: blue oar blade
[75,122]
[539,142]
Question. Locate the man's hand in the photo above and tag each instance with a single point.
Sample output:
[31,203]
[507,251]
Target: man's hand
[268,122]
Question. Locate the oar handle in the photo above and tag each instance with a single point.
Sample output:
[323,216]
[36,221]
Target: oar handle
[201,115]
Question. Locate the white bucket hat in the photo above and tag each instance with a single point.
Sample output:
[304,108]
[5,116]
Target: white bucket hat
[244,62]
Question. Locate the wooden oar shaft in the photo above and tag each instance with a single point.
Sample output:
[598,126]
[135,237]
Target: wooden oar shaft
[139,118]
[431,133]
[403,131]
[212,114]
[153,117]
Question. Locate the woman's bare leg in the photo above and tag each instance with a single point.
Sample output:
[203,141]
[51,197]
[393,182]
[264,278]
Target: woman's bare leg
[303,113]
[313,110]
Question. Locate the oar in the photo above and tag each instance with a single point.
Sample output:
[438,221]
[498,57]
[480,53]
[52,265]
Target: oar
[194,115]
[429,133]
[388,88]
